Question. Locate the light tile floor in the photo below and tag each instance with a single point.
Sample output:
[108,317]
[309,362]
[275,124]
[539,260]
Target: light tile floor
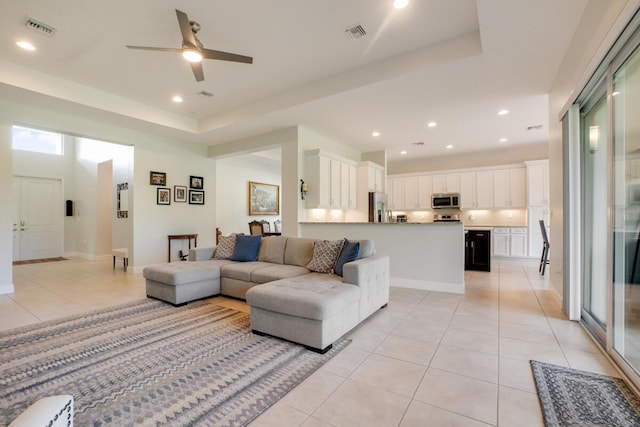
[428,359]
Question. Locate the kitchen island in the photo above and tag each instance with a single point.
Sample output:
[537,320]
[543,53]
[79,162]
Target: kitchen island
[427,256]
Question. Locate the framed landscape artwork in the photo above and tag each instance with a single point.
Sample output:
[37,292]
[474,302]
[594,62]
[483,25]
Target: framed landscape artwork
[264,199]
[179,193]
[164,196]
[196,197]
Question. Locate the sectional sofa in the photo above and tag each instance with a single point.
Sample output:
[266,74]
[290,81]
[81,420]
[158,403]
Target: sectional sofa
[304,290]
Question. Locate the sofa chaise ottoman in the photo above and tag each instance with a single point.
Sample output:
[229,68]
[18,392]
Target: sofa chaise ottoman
[288,283]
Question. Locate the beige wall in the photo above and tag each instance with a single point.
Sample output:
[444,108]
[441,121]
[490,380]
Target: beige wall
[509,155]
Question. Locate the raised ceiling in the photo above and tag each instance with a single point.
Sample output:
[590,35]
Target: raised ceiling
[456,62]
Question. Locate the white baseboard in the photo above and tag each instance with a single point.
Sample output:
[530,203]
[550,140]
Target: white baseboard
[454,288]
[88,257]
[7,289]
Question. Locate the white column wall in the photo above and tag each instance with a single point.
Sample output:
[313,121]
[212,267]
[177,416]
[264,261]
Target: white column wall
[6,217]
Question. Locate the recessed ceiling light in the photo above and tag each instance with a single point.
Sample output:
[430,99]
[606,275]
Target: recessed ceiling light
[432,124]
[400,4]
[403,152]
[449,147]
[375,133]
[503,112]
[177,99]
[503,139]
[26,45]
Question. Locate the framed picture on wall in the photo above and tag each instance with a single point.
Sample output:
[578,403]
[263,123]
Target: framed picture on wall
[196,197]
[196,182]
[180,193]
[163,196]
[264,199]
[157,178]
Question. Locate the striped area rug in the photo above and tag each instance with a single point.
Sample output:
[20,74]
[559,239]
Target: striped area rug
[149,363]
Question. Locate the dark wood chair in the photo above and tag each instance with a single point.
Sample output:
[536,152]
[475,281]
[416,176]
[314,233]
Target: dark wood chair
[255,228]
[277,226]
[544,259]
[266,227]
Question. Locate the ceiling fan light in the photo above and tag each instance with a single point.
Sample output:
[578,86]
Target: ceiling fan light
[192,55]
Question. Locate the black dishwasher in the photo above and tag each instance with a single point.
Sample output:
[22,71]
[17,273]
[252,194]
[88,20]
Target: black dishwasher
[477,250]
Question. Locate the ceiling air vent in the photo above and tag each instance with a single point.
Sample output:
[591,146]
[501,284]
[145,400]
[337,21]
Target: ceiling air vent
[536,127]
[205,94]
[40,27]
[418,144]
[355,31]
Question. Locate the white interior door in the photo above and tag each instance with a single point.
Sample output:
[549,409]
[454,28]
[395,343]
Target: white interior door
[39,223]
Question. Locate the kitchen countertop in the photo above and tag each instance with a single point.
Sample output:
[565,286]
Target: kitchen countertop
[381,223]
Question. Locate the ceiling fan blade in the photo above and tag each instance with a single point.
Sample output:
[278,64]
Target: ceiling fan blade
[226,56]
[161,49]
[196,67]
[185,29]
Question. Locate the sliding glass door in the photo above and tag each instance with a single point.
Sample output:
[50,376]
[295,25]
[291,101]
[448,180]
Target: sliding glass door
[595,208]
[625,97]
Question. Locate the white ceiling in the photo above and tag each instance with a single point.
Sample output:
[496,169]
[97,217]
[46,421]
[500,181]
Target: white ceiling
[453,61]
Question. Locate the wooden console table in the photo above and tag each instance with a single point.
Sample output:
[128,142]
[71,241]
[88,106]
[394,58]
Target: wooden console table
[182,237]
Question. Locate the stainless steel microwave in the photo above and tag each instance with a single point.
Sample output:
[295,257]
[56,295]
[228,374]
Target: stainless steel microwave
[445,200]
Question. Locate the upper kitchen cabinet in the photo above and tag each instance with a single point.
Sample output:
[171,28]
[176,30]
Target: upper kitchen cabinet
[446,183]
[538,182]
[331,181]
[370,177]
[509,188]
[409,192]
[476,190]
[376,175]
[347,186]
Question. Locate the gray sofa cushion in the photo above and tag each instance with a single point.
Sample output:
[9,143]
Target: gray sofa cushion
[177,273]
[242,270]
[277,272]
[311,299]
[367,248]
[272,249]
[299,251]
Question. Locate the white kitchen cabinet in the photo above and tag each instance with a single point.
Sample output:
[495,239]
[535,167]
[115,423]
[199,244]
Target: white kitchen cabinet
[331,186]
[518,242]
[484,190]
[411,192]
[335,183]
[535,234]
[425,185]
[510,242]
[375,177]
[468,190]
[446,183]
[398,194]
[501,241]
[509,188]
[538,183]
[476,190]
[347,186]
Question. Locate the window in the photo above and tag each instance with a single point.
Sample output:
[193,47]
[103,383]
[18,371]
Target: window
[37,140]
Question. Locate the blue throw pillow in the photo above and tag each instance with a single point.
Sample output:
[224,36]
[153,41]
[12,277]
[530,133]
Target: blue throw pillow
[247,248]
[350,252]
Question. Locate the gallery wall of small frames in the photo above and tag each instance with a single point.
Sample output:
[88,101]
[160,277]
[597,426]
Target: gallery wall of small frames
[193,193]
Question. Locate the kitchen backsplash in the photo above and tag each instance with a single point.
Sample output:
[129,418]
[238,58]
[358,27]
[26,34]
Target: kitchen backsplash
[475,218]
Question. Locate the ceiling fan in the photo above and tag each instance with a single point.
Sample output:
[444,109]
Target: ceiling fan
[193,50]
